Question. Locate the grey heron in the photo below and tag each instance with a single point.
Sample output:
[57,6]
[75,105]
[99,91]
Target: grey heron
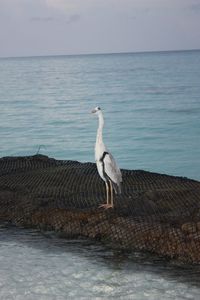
[106,165]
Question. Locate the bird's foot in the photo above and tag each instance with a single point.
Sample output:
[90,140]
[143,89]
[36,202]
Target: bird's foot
[106,206]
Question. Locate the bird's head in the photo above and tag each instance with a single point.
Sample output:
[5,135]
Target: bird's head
[96,110]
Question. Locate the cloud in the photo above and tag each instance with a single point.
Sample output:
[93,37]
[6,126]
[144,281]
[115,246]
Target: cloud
[70,19]
[195,7]
[35,27]
[42,19]
[61,5]
[73,18]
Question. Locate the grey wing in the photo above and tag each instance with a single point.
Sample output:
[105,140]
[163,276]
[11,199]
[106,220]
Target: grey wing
[112,170]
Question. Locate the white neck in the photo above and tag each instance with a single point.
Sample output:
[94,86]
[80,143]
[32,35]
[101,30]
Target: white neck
[99,138]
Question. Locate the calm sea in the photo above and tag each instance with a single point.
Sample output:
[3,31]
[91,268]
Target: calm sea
[151,104]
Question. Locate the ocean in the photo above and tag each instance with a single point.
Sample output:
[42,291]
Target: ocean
[151,105]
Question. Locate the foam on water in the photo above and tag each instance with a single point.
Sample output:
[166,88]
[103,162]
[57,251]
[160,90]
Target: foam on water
[34,266]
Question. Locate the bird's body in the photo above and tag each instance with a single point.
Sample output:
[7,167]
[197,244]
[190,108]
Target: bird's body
[106,165]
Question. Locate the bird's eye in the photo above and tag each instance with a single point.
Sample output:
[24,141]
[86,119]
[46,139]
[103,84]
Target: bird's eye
[98,108]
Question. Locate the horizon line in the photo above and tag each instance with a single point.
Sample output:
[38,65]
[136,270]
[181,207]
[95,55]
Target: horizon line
[101,53]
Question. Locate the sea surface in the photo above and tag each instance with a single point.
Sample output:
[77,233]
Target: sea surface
[151,105]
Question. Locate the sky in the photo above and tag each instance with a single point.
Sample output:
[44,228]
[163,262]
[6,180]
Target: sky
[59,27]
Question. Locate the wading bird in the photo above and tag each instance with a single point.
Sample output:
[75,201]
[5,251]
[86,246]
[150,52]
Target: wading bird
[106,165]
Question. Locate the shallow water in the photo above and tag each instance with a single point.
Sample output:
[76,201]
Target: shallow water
[34,266]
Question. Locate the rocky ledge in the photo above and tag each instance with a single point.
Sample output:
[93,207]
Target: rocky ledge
[155,212]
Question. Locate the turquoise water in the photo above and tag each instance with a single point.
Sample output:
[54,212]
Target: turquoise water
[151,104]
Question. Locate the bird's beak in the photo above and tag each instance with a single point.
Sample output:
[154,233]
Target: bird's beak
[93,111]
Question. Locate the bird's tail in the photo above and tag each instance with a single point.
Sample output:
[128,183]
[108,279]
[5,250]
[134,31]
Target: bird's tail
[117,188]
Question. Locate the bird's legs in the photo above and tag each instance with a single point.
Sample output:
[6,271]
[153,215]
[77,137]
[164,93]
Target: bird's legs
[107,192]
[111,192]
[108,187]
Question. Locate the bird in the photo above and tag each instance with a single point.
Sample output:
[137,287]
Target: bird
[106,165]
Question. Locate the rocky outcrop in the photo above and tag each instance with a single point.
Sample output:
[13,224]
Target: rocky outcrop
[155,212]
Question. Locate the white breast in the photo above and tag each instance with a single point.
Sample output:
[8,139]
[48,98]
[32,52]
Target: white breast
[100,169]
[99,150]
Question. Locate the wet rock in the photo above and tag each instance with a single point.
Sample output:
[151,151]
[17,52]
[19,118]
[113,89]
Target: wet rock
[189,227]
[198,226]
[155,212]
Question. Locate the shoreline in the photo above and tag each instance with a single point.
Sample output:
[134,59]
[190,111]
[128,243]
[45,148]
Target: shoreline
[156,213]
